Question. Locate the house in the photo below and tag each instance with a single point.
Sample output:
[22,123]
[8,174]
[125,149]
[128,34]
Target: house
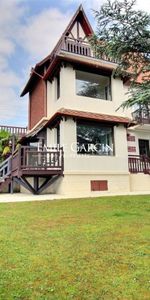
[78,143]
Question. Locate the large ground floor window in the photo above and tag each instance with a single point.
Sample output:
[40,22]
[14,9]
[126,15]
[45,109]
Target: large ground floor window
[94,138]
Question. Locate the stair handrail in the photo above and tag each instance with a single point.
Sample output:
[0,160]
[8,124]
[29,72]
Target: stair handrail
[16,160]
[5,167]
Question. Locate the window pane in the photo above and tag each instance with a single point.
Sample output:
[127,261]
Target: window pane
[94,139]
[93,85]
[58,86]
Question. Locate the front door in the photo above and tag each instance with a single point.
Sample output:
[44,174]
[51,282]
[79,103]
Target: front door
[144,147]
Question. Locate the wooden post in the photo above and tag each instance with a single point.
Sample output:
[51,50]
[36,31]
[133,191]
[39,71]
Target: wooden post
[62,160]
[13,143]
[36,183]
[12,186]
[19,158]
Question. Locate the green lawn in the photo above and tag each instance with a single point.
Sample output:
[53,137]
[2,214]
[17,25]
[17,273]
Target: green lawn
[90,249]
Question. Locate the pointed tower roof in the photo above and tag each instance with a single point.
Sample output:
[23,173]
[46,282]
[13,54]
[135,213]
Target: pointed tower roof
[80,17]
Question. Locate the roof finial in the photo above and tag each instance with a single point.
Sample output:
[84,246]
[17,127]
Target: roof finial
[81,7]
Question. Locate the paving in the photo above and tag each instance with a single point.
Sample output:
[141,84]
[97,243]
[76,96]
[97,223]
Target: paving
[22,197]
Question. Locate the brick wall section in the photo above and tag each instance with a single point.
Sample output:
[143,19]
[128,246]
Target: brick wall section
[130,138]
[37,103]
[99,185]
[131,149]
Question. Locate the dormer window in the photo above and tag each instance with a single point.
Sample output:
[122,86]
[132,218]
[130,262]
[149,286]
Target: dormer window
[93,85]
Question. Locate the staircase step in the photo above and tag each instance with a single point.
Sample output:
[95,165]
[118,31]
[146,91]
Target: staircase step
[4,183]
[2,180]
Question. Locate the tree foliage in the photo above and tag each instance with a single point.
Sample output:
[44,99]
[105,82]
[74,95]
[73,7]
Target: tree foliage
[4,139]
[4,144]
[123,36]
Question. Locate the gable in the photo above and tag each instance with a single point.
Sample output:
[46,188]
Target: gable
[77,32]
[79,29]
[79,26]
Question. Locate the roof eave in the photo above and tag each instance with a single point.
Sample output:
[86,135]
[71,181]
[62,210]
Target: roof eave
[63,113]
[76,58]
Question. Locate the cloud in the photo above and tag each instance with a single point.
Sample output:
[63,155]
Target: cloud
[95,4]
[41,32]
[143,5]
[88,5]
[11,14]
[36,35]
[10,107]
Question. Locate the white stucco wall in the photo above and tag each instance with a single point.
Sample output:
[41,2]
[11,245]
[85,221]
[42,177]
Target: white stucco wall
[79,170]
[139,182]
[79,185]
[69,99]
[80,163]
[139,134]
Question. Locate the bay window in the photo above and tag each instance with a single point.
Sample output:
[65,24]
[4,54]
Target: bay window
[94,138]
[93,85]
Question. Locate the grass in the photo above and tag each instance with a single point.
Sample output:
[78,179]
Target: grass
[80,249]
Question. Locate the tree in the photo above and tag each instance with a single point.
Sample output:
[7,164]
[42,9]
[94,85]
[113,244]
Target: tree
[4,144]
[123,36]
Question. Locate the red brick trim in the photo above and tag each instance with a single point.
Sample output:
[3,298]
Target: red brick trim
[130,138]
[99,185]
[131,149]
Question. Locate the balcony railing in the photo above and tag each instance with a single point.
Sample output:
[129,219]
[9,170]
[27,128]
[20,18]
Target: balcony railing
[142,116]
[139,164]
[80,47]
[77,47]
[18,131]
[29,159]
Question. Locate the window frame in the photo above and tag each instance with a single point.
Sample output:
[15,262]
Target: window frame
[98,124]
[57,85]
[101,73]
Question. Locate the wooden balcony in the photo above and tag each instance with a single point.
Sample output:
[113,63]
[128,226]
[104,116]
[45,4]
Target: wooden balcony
[80,47]
[139,164]
[30,161]
[14,130]
[76,46]
[141,116]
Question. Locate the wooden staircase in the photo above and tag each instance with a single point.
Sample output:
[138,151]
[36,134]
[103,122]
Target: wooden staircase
[5,173]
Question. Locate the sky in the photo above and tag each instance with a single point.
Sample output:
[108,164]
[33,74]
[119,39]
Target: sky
[29,29]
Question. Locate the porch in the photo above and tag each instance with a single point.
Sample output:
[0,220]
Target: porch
[44,166]
[32,161]
[139,164]
[141,115]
